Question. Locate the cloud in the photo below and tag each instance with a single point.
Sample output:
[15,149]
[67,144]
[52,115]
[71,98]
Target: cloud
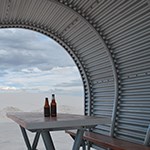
[20,48]
[72,83]
[56,79]
[6,88]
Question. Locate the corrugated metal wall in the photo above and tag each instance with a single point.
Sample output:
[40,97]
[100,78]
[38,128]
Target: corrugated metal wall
[128,33]
[110,43]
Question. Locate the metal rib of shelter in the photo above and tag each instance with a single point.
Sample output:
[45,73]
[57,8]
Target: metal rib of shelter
[147,137]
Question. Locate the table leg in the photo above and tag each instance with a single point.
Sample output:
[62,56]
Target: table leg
[25,136]
[78,139]
[47,140]
[26,139]
[36,140]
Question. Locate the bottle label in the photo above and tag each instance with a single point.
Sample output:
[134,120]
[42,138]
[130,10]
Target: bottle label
[53,111]
[46,112]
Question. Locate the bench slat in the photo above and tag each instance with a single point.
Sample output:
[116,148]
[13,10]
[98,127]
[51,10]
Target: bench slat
[109,142]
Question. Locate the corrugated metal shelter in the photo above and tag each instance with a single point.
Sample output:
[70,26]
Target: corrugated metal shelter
[109,40]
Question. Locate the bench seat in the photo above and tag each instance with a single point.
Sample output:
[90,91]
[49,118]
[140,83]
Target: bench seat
[109,142]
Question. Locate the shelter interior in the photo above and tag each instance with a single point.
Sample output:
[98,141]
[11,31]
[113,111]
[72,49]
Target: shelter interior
[110,43]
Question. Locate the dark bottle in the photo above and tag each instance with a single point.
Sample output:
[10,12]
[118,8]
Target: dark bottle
[46,108]
[53,106]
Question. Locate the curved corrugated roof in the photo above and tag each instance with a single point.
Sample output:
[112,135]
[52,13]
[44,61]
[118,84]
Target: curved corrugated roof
[110,44]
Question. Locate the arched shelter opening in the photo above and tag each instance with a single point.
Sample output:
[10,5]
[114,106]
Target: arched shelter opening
[109,42]
[33,66]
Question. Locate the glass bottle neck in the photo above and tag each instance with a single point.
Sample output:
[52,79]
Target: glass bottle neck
[46,101]
[53,97]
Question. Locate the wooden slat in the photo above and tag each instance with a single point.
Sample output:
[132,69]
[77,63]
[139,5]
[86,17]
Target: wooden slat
[109,142]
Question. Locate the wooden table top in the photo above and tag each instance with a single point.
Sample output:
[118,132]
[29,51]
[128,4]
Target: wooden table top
[36,120]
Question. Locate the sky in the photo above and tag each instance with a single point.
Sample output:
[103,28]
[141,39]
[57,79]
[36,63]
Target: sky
[34,63]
